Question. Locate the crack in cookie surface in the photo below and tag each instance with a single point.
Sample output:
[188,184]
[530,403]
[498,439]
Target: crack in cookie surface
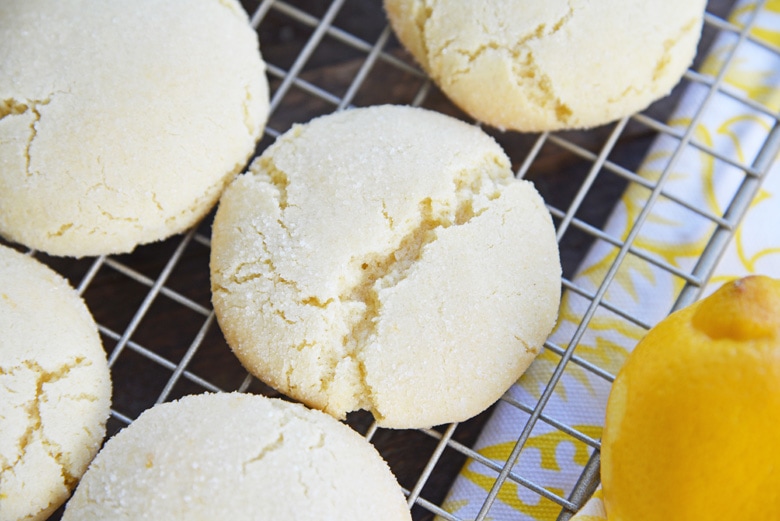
[34,431]
[528,74]
[472,190]
[14,107]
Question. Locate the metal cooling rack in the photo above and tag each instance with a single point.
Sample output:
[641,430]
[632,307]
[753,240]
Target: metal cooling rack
[153,306]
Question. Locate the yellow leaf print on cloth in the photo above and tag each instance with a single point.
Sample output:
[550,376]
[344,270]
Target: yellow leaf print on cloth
[601,349]
[547,445]
[731,128]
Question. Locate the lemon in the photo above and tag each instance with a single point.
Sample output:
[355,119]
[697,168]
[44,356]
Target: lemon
[692,428]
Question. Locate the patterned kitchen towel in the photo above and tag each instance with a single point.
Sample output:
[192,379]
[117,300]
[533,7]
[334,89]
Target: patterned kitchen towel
[646,285]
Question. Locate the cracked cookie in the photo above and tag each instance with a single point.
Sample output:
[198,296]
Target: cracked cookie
[55,388]
[239,457]
[385,259]
[561,64]
[121,126]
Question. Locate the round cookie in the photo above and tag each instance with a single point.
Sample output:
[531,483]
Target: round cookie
[122,126]
[239,457]
[55,388]
[534,66]
[385,259]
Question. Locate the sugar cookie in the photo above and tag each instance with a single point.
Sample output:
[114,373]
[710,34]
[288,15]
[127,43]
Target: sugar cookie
[55,388]
[385,259]
[560,64]
[121,126]
[239,457]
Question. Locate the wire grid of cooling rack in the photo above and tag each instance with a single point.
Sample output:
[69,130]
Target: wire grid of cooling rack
[153,306]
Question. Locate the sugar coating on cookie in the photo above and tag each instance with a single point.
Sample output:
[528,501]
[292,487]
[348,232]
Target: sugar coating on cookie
[239,457]
[55,388]
[120,125]
[559,64]
[385,259]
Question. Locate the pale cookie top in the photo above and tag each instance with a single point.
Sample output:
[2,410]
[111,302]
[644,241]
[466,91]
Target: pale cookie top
[55,388]
[237,457]
[120,124]
[533,65]
[385,259]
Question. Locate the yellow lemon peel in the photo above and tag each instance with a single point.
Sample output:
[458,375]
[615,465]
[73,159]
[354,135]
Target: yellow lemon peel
[692,428]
